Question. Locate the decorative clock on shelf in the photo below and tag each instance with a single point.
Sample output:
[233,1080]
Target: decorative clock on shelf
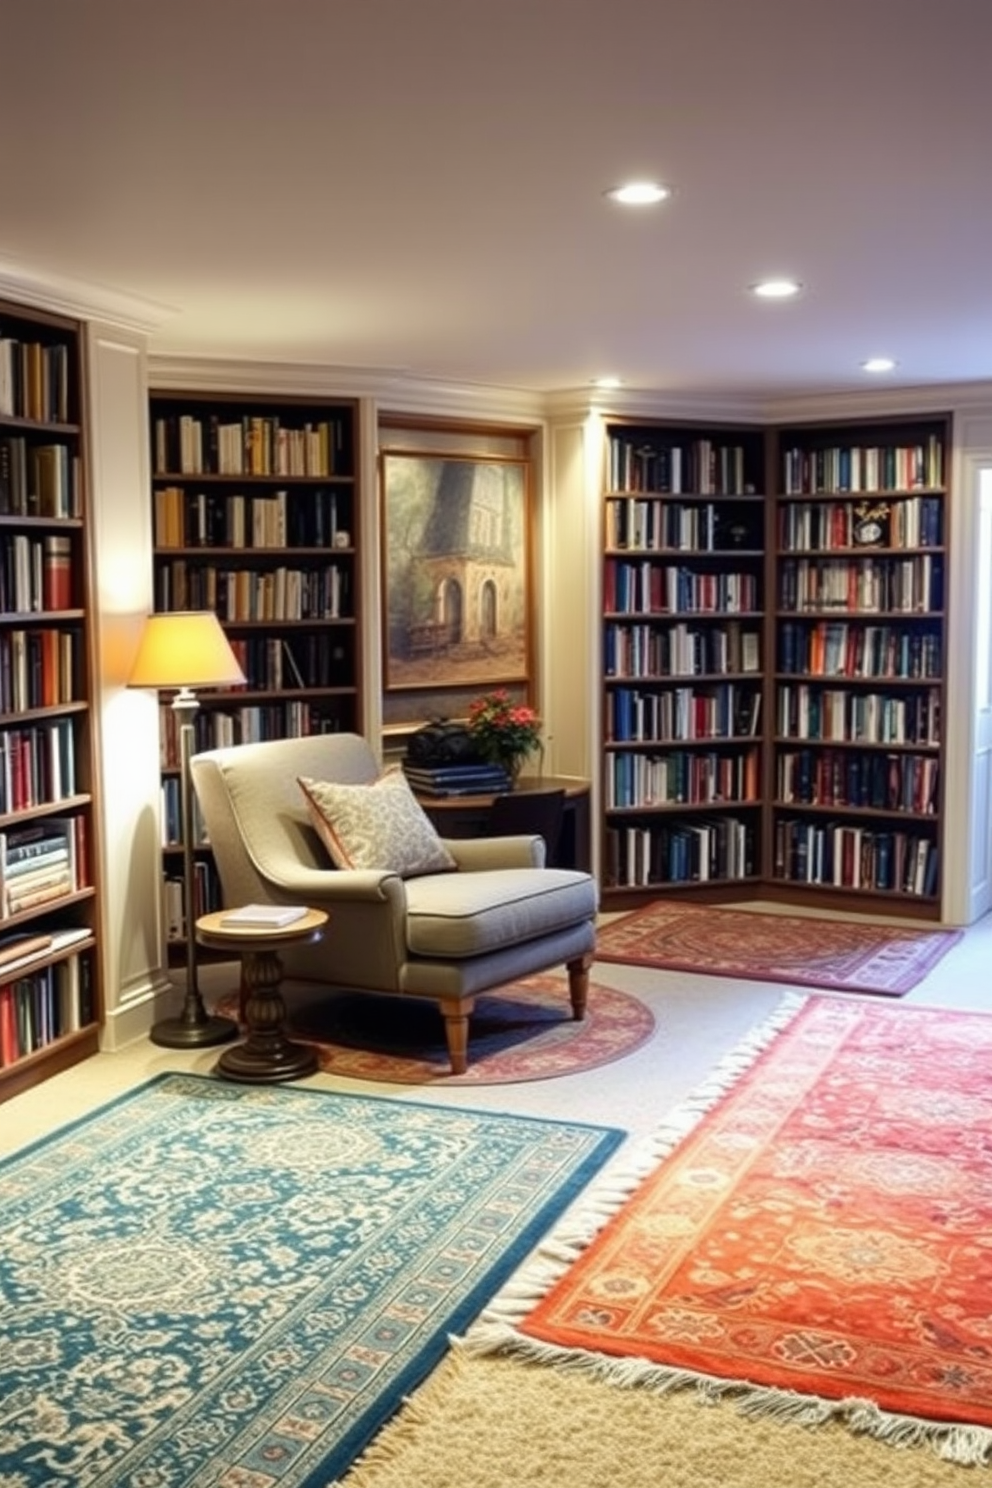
[871,530]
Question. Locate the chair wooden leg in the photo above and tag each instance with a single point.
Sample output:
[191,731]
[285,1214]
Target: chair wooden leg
[455,1012]
[578,985]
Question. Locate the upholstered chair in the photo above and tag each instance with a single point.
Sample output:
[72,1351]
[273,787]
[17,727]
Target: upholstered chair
[438,919]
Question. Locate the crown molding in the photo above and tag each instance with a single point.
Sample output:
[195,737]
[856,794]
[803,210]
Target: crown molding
[578,403]
[80,300]
[394,391]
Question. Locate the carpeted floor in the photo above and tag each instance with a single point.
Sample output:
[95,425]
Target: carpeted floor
[800,950]
[496,1422]
[815,1243]
[205,1283]
[525,1032]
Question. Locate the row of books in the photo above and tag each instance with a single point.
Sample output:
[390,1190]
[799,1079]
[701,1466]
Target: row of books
[843,855]
[206,898]
[839,715]
[888,467]
[38,668]
[707,850]
[872,584]
[721,711]
[281,519]
[218,728]
[650,650]
[41,863]
[37,765]
[35,573]
[474,779]
[680,778]
[639,461]
[876,782]
[910,522]
[252,445]
[655,588]
[34,380]
[38,480]
[655,525]
[242,594]
[39,1007]
[840,648]
[272,664]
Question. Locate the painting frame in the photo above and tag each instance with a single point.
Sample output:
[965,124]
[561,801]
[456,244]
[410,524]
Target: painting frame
[456,570]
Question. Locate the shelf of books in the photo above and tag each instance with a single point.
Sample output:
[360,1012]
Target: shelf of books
[683,665]
[50,1006]
[861,517]
[255,516]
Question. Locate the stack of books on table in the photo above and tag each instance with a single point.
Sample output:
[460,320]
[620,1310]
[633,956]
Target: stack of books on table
[456,780]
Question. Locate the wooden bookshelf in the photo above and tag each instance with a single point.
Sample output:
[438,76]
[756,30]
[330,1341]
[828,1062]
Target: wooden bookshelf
[683,658]
[50,994]
[774,664]
[255,515]
[857,760]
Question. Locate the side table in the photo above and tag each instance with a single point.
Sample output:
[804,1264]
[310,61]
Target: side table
[266,1054]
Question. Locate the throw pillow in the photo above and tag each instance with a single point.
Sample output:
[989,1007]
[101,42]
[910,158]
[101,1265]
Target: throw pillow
[381,825]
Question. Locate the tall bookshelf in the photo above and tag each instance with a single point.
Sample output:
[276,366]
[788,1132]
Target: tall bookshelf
[683,657]
[774,659]
[50,1000]
[255,516]
[857,771]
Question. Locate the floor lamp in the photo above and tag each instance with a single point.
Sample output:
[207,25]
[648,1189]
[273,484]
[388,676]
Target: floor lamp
[183,650]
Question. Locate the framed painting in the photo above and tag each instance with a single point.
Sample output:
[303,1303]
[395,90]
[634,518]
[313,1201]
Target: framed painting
[456,570]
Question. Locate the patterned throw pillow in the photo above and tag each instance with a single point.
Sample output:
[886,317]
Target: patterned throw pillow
[381,825]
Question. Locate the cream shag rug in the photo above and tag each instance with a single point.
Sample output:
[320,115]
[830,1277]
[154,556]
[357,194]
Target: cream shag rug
[492,1422]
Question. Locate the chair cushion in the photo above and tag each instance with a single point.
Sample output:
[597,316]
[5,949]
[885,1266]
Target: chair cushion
[471,914]
[380,825]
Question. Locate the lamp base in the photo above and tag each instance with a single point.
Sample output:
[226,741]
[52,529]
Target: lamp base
[181,1033]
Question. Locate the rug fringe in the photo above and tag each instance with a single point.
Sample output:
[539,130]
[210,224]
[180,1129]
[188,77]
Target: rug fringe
[620,1179]
[968,1446]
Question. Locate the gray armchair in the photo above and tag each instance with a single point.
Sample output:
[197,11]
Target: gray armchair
[445,936]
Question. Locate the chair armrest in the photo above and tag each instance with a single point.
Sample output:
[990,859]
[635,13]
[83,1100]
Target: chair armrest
[316,887]
[476,854]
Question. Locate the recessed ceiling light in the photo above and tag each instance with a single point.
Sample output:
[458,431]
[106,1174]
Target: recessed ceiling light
[878,364]
[639,193]
[776,289]
[606,382]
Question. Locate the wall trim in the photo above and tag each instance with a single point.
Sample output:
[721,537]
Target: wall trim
[75,297]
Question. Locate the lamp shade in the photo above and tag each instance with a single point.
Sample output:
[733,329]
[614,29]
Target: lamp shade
[185,648]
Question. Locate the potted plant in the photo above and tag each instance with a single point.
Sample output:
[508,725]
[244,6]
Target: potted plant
[505,732]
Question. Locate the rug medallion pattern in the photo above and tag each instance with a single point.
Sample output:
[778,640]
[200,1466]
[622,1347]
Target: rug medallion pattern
[209,1284]
[826,1228]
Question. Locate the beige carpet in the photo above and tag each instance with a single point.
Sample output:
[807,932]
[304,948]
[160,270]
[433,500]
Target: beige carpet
[491,1422]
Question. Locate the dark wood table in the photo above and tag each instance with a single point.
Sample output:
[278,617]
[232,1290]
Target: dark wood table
[266,1054]
[466,816]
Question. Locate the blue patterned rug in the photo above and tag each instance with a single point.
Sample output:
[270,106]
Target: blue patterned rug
[232,1286]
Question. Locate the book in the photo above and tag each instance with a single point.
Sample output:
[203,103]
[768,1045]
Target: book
[266,916]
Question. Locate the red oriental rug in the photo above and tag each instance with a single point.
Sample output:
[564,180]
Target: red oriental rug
[803,950]
[820,1243]
[523,1032]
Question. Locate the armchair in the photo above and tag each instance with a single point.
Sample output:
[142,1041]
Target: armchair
[499,914]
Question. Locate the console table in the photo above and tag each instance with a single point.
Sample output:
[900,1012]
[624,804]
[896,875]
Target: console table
[466,816]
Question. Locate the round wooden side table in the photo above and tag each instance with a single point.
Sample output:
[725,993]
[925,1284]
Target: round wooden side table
[266,1054]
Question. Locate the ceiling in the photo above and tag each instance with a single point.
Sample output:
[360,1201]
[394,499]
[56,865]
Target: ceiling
[415,187]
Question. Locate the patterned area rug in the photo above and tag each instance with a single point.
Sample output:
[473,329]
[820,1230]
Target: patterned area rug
[817,1243]
[525,1032]
[211,1284]
[839,955]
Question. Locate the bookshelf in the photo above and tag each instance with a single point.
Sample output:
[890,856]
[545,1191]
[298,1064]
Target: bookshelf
[50,1004]
[857,771]
[683,658]
[255,516]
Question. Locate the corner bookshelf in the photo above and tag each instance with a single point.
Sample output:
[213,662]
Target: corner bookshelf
[255,516]
[857,788]
[683,658]
[50,1003]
